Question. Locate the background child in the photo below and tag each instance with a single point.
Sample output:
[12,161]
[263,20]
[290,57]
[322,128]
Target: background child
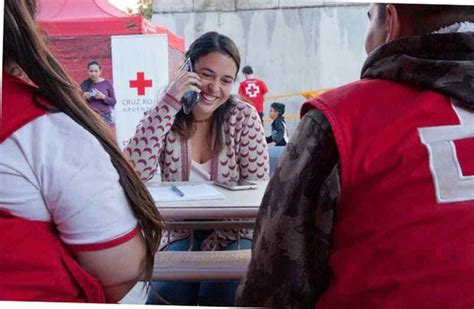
[279,132]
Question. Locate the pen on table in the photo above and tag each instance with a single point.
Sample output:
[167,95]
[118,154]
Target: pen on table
[175,189]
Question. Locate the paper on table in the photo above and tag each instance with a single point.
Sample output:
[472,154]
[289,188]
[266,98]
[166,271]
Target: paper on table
[191,193]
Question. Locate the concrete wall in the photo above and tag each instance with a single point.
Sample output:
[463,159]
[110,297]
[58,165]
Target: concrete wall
[168,6]
[292,49]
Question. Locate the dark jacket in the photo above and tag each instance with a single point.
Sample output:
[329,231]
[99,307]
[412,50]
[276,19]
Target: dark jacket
[279,133]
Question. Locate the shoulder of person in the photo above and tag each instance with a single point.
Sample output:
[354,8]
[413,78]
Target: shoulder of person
[107,82]
[244,83]
[240,107]
[65,126]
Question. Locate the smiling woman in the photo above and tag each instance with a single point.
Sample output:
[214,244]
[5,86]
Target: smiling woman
[221,132]
[222,139]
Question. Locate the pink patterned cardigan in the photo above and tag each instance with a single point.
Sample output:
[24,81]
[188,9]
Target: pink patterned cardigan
[245,155]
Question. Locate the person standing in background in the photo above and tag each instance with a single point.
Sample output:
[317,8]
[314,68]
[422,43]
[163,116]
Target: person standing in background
[253,90]
[99,92]
[279,132]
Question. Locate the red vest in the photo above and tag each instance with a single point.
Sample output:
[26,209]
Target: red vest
[34,264]
[404,228]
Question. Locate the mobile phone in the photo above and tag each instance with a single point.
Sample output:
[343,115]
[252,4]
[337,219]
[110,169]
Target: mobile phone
[190,98]
[236,185]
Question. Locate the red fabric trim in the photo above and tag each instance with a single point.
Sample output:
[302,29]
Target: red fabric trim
[5,213]
[107,244]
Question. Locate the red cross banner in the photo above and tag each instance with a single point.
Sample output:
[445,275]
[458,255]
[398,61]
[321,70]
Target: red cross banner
[140,73]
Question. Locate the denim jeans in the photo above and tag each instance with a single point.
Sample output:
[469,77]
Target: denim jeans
[108,117]
[206,293]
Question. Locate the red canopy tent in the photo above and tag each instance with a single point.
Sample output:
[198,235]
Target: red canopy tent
[80,31]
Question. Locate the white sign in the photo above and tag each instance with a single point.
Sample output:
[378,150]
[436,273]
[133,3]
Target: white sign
[140,71]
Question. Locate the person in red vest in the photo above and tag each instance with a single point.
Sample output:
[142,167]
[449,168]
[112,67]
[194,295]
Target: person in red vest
[77,224]
[372,204]
[253,90]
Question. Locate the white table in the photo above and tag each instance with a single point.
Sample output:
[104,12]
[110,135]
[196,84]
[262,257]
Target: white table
[236,204]
[202,265]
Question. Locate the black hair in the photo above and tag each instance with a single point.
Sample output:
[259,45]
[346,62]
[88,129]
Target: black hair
[247,70]
[97,63]
[278,107]
[87,83]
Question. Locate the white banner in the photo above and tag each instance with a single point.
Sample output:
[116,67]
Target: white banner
[140,72]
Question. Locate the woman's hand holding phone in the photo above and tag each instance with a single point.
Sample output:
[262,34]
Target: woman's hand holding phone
[184,82]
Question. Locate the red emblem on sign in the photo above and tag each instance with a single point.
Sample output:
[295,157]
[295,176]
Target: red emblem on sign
[141,83]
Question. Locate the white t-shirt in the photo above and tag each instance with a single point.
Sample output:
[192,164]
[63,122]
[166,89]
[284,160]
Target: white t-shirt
[53,170]
[200,171]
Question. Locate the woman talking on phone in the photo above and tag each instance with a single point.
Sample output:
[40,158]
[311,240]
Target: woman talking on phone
[221,139]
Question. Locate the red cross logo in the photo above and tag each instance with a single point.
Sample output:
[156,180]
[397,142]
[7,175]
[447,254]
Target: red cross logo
[252,90]
[141,83]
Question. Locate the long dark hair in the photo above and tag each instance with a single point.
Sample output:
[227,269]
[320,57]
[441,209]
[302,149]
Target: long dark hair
[87,83]
[25,46]
[208,43]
